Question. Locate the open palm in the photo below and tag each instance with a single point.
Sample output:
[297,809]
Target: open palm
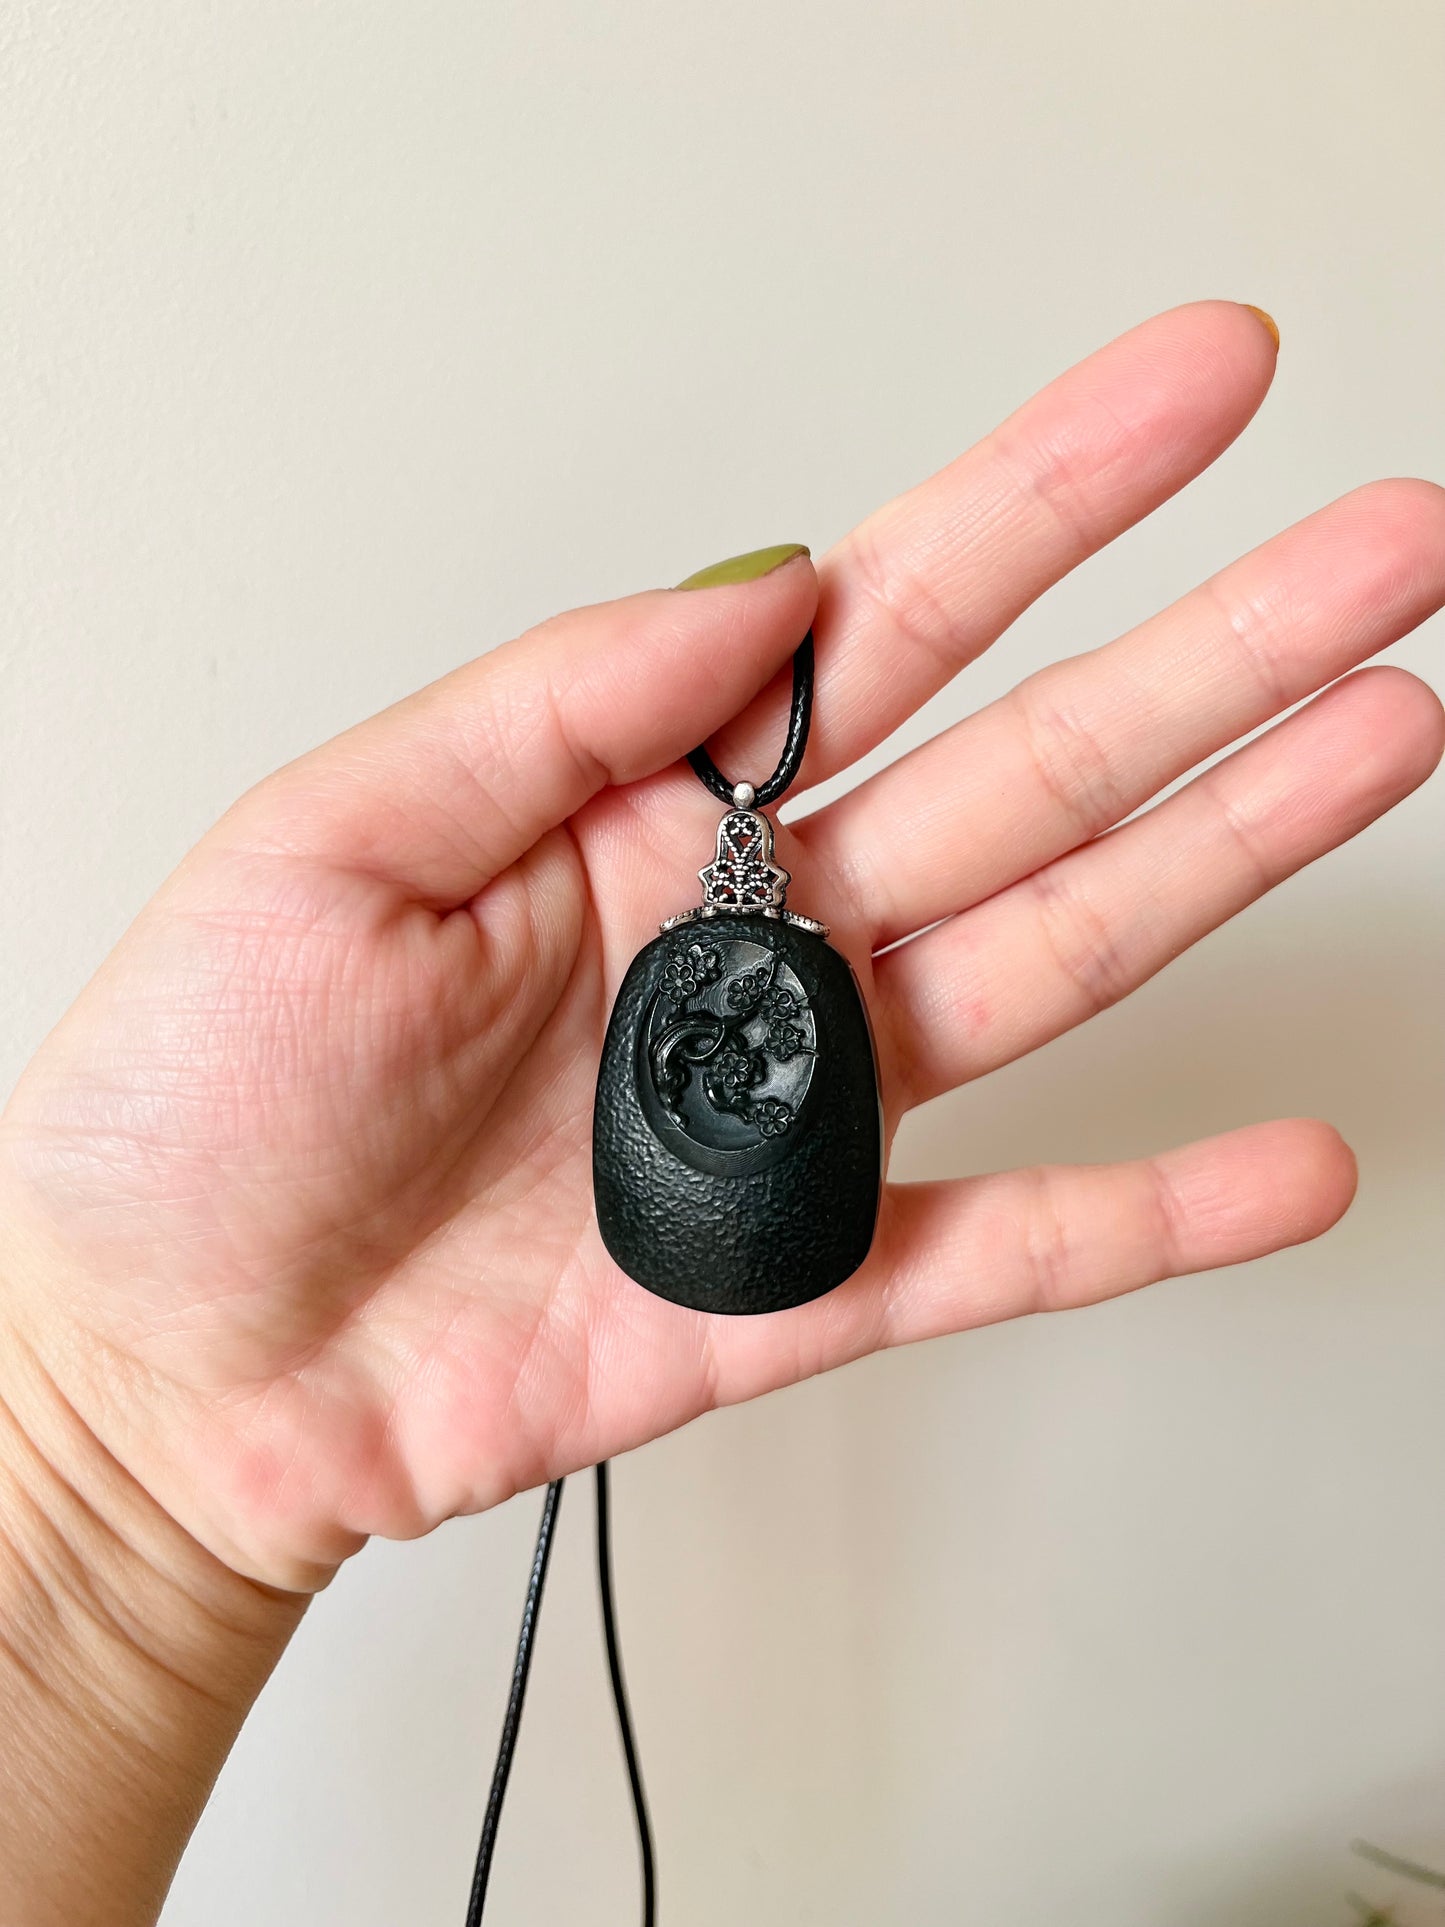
[297,1200]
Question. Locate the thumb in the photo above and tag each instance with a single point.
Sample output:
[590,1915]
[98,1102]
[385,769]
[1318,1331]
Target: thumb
[443,791]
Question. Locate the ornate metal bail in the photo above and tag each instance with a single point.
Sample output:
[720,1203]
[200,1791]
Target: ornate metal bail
[742,874]
[743,879]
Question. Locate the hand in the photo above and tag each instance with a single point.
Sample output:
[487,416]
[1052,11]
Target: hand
[297,1198]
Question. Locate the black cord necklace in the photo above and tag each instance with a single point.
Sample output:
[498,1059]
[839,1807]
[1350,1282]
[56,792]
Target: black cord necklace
[522,1666]
[800,717]
[736,1147]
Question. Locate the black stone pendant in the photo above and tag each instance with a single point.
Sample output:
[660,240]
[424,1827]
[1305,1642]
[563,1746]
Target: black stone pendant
[737,1137]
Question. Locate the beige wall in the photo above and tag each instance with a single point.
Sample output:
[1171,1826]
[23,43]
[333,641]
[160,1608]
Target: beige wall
[339,341]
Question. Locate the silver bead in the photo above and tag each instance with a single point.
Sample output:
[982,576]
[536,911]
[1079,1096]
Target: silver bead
[744,796]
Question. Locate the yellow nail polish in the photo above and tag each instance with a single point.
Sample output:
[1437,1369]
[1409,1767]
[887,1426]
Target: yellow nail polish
[1268,320]
[745,568]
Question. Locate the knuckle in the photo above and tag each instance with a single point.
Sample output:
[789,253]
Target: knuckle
[1249,842]
[907,604]
[1166,1220]
[1070,757]
[1081,944]
[1059,475]
[1047,1257]
[1257,623]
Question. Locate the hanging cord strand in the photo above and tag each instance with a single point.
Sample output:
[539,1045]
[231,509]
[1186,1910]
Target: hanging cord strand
[521,1666]
[619,1696]
[800,716]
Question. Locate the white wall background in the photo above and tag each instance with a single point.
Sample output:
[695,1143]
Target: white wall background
[341,340]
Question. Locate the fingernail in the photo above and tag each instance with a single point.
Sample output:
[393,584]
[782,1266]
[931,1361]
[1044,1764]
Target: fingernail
[1268,320]
[745,568]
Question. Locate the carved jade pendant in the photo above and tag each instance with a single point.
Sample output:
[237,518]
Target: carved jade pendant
[737,1137]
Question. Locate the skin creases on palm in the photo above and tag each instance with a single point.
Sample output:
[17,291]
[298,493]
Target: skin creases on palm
[295,1204]
[318,1160]
[296,1135]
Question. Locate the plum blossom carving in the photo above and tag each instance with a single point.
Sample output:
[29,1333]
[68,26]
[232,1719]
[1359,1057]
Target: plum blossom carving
[778,1001]
[732,1033]
[772,1116]
[784,1040]
[745,991]
[690,968]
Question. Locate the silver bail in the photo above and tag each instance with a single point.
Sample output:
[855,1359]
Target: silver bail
[742,875]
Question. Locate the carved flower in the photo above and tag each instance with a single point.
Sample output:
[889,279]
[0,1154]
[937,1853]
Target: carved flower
[749,985]
[778,1002]
[772,1116]
[734,1072]
[730,1076]
[689,969]
[784,1040]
